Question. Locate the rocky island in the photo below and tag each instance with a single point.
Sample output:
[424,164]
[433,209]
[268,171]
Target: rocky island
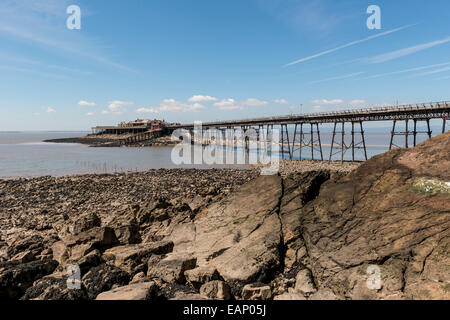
[233,234]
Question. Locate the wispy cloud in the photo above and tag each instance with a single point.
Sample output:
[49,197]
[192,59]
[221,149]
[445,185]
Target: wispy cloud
[351,75]
[435,71]
[31,71]
[50,110]
[406,51]
[406,70]
[40,23]
[346,46]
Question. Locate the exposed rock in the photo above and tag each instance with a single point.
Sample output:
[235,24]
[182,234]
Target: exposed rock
[86,222]
[289,296]
[16,277]
[239,236]
[198,276]
[34,244]
[323,294]
[188,297]
[103,278]
[129,256]
[81,244]
[60,252]
[217,290]
[171,269]
[54,287]
[23,257]
[128,234]
[139,277]
[92,259]
[137,291]
[377,216]
[256,292]
[304,283]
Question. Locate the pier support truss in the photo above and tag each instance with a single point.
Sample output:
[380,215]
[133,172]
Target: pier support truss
[407,133]
[305,137]
[338,141]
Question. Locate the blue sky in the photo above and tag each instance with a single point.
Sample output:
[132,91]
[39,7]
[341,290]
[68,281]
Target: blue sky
[207,60]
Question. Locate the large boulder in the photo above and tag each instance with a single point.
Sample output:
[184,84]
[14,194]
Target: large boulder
[198,276]
[217,290]
[54,287]
[86,222]
[16,278]
[240,236]
[172,268]
[128,257]
[137,291]
[75,247]
[103,278]
[383,231]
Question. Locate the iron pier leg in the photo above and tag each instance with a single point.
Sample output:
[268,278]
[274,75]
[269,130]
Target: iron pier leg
[415,132]
[429,129]
[353,141]
[293,140]
[392,135]
[320,143]
[343,141]
[444,120]
[301,140]
[363,139]
[332,141]
[406,134]
[312,142]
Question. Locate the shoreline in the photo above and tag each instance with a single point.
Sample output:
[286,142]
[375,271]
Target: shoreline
[286,167]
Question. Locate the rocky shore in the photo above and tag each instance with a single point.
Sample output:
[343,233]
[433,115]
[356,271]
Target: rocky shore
[306,233]
[111,141]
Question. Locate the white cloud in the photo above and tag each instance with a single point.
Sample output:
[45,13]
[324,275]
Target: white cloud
[86,104]
[90,114]
[227,104]
[200,98]
[358,102]
[147,110]
[281,101]
[407,51]
[347,45]
[117,107]
[50,110]
[317,108]
[252,102]
[171,105]
[327,102]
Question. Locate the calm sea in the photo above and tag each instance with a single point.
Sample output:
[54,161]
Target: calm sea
[23,154]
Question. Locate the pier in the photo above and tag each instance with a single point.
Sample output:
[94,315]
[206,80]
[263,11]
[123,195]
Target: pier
[307,127]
